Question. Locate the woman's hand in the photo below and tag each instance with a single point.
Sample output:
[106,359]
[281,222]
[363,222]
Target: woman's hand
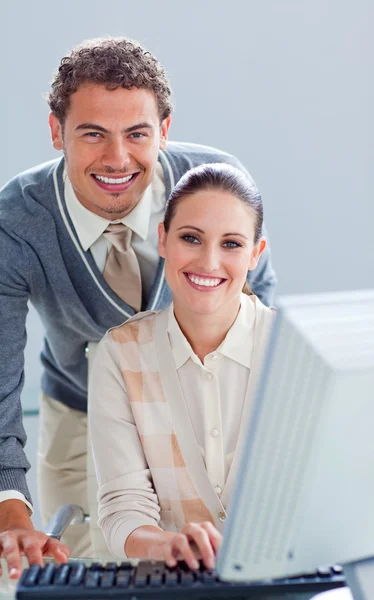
[196,540]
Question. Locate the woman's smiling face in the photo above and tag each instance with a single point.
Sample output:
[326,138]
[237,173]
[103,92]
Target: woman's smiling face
[208,250]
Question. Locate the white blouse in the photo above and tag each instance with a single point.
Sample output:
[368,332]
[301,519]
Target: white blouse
[214,393]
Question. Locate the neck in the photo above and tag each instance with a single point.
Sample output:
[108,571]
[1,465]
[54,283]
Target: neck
[205,332]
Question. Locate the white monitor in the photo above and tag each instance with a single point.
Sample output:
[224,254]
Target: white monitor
[304,493]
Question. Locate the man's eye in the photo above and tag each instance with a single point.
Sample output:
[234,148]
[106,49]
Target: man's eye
[92,134]
[137,135]
[232,244]
[190,239]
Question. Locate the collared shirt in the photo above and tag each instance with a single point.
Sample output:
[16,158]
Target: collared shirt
[142,220]
[214,390]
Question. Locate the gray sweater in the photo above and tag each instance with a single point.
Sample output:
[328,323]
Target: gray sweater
[42,260]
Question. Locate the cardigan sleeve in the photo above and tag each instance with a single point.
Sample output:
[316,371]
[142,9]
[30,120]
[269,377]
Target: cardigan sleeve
[126,496]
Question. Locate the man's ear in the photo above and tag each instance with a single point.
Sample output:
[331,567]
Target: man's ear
[256,253]
[165,125]
[56,132]
[161,240]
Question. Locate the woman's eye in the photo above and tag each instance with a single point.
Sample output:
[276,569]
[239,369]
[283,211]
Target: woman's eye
[232,244]
[190,239]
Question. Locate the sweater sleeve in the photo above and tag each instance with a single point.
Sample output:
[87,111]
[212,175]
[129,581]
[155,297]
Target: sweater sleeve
[126,496]
[14,295]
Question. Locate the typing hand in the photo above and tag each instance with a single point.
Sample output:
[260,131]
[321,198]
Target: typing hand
[196,540]
[32,544]
[19,538]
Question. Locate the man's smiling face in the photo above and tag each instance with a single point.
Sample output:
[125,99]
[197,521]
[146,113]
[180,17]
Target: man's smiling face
[111,140]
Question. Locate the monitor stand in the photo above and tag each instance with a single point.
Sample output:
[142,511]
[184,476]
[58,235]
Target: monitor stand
[359,576]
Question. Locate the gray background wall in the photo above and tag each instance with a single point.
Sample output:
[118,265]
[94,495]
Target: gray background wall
[286,85]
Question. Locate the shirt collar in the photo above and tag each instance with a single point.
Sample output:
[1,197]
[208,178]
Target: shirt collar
[237,345]
[90,227]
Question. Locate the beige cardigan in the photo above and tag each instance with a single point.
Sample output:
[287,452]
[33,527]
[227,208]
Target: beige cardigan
[180,480]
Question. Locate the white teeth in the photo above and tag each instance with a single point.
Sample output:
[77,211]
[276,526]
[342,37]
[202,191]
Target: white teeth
[117,180]
[203,281]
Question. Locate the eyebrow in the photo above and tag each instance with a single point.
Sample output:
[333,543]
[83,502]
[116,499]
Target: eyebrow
[96,127]
[202,231]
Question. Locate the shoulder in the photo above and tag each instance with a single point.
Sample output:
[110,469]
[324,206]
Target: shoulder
[138,329]
[184,156]
[34,176]
[28,190]
[252,302]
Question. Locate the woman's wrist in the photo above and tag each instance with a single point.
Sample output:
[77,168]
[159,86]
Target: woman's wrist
[147,542]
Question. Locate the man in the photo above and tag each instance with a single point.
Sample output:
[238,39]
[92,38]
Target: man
[78,238]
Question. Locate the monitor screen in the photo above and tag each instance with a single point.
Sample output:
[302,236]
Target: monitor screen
[304,492]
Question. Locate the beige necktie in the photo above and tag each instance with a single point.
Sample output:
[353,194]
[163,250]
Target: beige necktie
[121,271]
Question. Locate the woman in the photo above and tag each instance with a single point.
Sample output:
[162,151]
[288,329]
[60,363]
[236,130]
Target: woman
[171,389]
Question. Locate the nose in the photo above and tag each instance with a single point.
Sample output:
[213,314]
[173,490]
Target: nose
[116,155]
[209,259]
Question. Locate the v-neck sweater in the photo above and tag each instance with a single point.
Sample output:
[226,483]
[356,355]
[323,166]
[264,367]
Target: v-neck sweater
[42,261]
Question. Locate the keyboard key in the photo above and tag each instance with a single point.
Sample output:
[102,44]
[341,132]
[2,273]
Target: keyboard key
[171,578]
[61,575]
[77,574]
[123,578]
[156,580]
[92,579]
[107,579]
[46,574]
[187,579]
[31,575]
[208,577]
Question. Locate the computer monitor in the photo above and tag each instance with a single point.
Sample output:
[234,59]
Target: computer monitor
[304,493]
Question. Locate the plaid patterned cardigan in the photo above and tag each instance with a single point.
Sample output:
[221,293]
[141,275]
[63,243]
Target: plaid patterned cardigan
[171,450]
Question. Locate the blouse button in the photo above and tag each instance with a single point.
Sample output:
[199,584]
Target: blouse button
[209,377]
[217,489]
[222,516]
[214,432]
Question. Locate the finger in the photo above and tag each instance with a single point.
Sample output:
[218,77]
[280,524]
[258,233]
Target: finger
[32,545]
[169,558]
[11,554]
[214,535]
[57,550]
[195,533]
[180,544]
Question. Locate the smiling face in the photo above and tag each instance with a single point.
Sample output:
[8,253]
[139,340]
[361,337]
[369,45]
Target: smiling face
[111,140]
[208,250]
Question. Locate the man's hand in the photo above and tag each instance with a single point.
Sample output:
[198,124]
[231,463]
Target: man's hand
[18,537]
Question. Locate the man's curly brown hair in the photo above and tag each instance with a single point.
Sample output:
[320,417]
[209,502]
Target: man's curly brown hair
[113,62]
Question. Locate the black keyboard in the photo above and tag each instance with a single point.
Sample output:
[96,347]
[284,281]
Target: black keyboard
[155,580]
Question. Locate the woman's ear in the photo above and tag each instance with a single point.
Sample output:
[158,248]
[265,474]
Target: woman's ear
[161,240]
[256,253]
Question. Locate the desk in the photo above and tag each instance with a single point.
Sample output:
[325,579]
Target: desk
[8,589]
